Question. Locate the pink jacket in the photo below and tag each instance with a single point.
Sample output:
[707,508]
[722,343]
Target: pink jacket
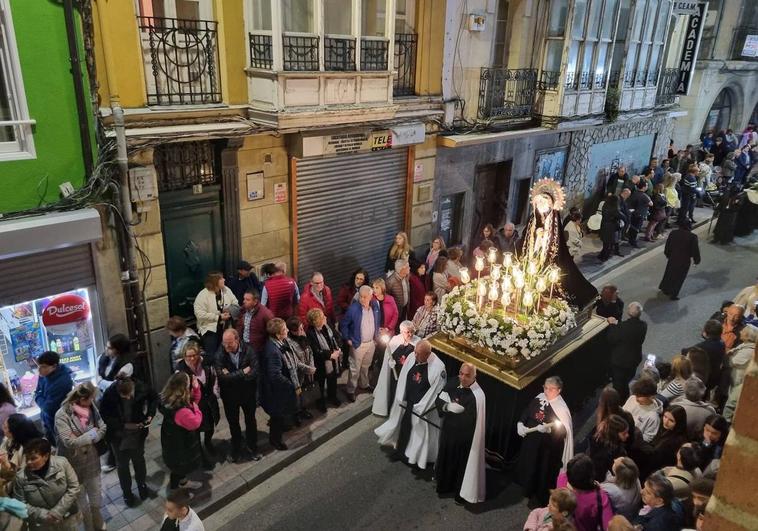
[390,313]
[536,521]
[586,513]
[190,417]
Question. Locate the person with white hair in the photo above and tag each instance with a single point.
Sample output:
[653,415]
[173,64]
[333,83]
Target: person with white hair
[395,355]
[460,461]
[696,409]
[625,339]
[360,329]
[398,285]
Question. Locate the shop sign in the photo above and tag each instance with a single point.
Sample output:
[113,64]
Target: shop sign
[694,31]
[685,8]
[357,141]
[406,135]
[280,193]
[67,308]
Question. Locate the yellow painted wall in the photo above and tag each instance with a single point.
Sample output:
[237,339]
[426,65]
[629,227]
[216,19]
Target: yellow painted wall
[126,79]
[430,26]
[233,50]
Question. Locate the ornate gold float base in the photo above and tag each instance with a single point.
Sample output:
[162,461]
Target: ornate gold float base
[519,372]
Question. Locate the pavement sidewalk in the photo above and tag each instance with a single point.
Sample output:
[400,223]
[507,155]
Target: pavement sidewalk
[228,481]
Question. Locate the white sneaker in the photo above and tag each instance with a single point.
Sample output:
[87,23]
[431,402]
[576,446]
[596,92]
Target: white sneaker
[192,485]
[107,468]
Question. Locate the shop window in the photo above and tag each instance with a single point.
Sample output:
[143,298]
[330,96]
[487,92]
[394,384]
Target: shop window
[65,323]
[16,138]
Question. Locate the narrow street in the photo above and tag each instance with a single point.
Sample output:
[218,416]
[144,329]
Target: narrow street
[350,483]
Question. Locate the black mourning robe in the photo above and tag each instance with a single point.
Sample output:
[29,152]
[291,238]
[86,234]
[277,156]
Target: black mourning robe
[541,454]
[400,354]
[416,387]
[681,250]
[456,437]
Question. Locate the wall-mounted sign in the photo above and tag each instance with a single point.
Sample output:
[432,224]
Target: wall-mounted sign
[405,135]
[418,172]
[280,193]
[356,141]
[685,8]
[381,140]
[751,46]
[690,48]
[255,186]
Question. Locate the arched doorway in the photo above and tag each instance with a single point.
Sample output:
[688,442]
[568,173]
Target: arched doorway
[720,114]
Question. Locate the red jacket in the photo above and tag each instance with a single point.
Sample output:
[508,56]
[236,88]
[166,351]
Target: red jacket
[418,290]
[281,291]
[390,314]
[258,334]
[344,299]
[308,302]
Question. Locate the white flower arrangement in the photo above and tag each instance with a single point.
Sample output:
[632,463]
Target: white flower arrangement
[527,337]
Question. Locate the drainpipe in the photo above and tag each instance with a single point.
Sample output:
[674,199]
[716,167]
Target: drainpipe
[135,305]
[82,109]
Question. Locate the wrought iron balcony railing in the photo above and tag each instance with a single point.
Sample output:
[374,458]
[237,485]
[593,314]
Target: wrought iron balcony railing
[507,94]
[374,54]
[667,85]
[300,53]
[405,63]
[261,51]
[339,54]
[549,79]
[181,60]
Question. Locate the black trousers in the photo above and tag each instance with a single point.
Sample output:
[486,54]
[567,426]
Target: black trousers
[328,385]
[276,429]
[232,407]
[210,341]
[135,456]
[620,378]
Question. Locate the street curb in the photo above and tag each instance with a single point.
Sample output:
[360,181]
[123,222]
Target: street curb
[320,436]
[632,256]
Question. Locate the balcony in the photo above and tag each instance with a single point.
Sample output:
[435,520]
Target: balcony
[667,86]
[405,64]
[181,61]
[507,95]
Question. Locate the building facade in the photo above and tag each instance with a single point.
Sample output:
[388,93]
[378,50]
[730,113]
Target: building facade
[302,131]
[567,89]
[57,256]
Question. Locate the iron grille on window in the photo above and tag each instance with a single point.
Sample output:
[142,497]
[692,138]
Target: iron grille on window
[571,80]
[507,94]
[629,78]
[184,164]
[300,53]
[667,86]
[651,75]
[183,60]
[261,51]
[600,80]
[585,81]
[549,79]
[339,54]
[405,62]
[641,78]
[374,54]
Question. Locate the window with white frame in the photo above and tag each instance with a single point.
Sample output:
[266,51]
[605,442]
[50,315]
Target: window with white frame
[16,139]
[591,40]
[645,42]
[555,36]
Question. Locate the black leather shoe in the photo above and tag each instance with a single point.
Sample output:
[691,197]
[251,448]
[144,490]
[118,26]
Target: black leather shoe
[146,492]
[131,500]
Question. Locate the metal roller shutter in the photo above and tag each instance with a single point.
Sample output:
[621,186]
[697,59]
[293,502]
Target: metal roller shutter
[38,275]
[349,209]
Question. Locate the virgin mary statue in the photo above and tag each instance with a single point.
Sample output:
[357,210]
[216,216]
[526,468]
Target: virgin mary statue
[545,243]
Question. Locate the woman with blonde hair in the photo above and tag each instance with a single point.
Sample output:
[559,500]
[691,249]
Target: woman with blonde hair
[671,195]
[215,308]
[180,438]
[325,343]
[388,312]
[78,429]
[681,370]
[440,283]
[399,250]
[736,362]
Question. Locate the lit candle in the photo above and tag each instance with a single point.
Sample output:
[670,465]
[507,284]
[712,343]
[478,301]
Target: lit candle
[384,338]
[492,255]
[505,300]
[528,299]
[553,276]
[465,277]
[479,264]
[495,271]
[507,260]
[481,292]
[507,283]
[541,284]
[531,269]
[493,294]
[518,281]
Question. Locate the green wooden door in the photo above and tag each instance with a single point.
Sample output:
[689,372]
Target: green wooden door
[193,243]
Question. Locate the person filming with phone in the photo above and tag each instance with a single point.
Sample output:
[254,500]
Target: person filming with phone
[625,339]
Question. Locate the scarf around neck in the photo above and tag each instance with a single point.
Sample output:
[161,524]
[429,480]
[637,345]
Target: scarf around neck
[82,414]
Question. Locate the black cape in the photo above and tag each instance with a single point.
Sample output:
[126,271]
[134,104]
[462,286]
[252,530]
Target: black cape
[456,437]
[681,250]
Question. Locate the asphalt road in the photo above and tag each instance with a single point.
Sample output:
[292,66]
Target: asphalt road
[350,483]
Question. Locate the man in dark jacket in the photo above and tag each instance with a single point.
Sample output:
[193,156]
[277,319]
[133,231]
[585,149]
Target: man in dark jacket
[237,370]
[658,495]
[626,339]
[681,250]
[639,204]
[688,186]
[128,407]
[244,280]
[251,324]
[616,178]
[713,345]
[54,384]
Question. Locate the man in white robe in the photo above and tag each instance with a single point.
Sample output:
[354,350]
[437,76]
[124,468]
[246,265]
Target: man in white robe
[413,425]
[397,352]
[460,465]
